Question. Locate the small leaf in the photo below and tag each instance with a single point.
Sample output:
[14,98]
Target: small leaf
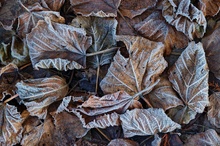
[122,142]
[209,7]
[185,17]
[38,94]
[207,138]
[189,77]
[146,122]
[57,45]
[140,71]
[11,125]
[99,8]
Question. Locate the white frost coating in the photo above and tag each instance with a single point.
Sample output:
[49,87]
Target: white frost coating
[99,14]
[58,63]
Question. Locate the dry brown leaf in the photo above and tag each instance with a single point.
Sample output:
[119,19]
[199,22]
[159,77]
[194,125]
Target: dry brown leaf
[163,96]
[154,27]
[132,9]
[99,8]
[211,45]
[38,94]
[28,20]
[189,77]
[213,109]
[11,125]
[58,45]
[139,72]
[122,142]
[146,122]
[207,138]
[185,17]
[209,7]
[54,5]
[11,67]
[103,31]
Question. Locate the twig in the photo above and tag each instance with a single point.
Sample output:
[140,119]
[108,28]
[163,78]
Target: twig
[9,99]
[97,79]
[101,52]
[103,134]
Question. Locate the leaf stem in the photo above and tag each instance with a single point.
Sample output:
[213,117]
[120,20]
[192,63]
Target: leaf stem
[97,79]
[103,134]
[9,99]
[19,1]
[102,52]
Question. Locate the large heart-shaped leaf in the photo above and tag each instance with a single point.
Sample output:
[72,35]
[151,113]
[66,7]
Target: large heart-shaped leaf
[189,77]
[57,45]
[139,72]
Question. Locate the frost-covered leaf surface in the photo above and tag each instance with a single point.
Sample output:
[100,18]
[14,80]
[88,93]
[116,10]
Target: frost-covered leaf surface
[139,71]
[189,77]
[38,94]
[60,46]
[54,5]
[146,122]
[209,7]
[120,141]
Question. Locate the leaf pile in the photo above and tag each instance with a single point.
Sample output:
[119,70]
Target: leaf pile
[109,72]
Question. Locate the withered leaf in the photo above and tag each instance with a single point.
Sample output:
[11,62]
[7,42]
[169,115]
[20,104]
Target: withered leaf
[100,8]
[163,96]
[54,5]
[58,45]
[132,9]
[211,45]
[189,77]
[139,72]
[38,94]
[28,20]
[208,138]
[11,125]
[103,31]
[122,142]
[154,27]
[209,7]
[146,122]
[185,17]
[213,109]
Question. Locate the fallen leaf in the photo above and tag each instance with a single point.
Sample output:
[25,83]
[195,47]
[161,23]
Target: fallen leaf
[209,7]
[58,45]
[54,5]
[99,8]
[8,69]
[213,111]
[122,142]
[185,17]
[28,20]
[154,27]
[163,96]
[157,140]
[208,138]
[132,9]
[38,94]
[103,31]
[11,125]
[139,72]
[146,122]
[211,44]
[189,77]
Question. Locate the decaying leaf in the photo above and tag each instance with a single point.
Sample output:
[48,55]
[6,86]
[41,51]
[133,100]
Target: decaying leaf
[100,8]
[58,45]
[8,69]
[139,72]
[209,7]
[146,122]
[103,31]
[163,96]
[207,138]
[38,94]
[11,125]
[28,20]
[211,45]
[189,77]
[132,9]
[122,142]
[54,5]
[154,27]
[213,110]
[185,17]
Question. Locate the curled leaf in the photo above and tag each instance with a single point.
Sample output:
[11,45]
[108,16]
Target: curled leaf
[189,77]
[185,17]
[146,122]
[100,8]
[209,7]
[57,45]
[139,72]
[38,94]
